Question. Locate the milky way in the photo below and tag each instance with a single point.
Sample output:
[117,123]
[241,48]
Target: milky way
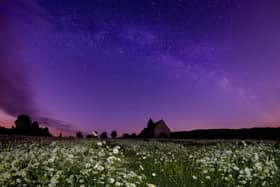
[107,65]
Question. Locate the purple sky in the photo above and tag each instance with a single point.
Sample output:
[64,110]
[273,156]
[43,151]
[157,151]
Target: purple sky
[103,65]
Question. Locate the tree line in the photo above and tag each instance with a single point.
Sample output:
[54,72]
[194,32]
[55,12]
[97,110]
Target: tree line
[25,126]
[104,135]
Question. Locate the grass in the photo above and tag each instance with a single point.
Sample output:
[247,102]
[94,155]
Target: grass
[52,162]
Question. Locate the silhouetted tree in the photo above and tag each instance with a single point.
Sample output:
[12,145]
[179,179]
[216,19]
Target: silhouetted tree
[103,135]
[114,134]
[34,129]
[60,135]
[89,136]
[125,135]
[23,123]
[46,132]
[35,125]
[79,135]
[133,135]
[4,130]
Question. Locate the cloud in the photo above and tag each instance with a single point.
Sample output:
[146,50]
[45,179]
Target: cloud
[15,95]
[16,92]
[57,124]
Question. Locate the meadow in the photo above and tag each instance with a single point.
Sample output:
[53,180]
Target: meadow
[49,162]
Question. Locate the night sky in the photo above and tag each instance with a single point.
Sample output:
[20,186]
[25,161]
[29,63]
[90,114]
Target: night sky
[113,64]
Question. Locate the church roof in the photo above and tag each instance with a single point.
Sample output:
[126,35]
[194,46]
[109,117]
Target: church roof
[157,123]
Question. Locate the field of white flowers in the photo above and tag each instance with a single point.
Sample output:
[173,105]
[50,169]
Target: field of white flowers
[83,163]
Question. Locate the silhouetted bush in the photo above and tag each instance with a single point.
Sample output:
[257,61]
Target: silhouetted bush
[125,136]
[79,135]
[91,136]
[133,135]
[103,135]
[114,134]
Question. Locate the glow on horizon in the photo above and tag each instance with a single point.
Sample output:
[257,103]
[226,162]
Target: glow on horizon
[111,66]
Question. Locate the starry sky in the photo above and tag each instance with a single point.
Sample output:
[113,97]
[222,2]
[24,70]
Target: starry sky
[113,64]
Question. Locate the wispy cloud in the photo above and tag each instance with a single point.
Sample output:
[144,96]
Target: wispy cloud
[16,95]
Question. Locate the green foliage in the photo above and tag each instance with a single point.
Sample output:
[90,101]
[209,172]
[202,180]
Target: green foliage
[66,163]
[81,162]
[227,164]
